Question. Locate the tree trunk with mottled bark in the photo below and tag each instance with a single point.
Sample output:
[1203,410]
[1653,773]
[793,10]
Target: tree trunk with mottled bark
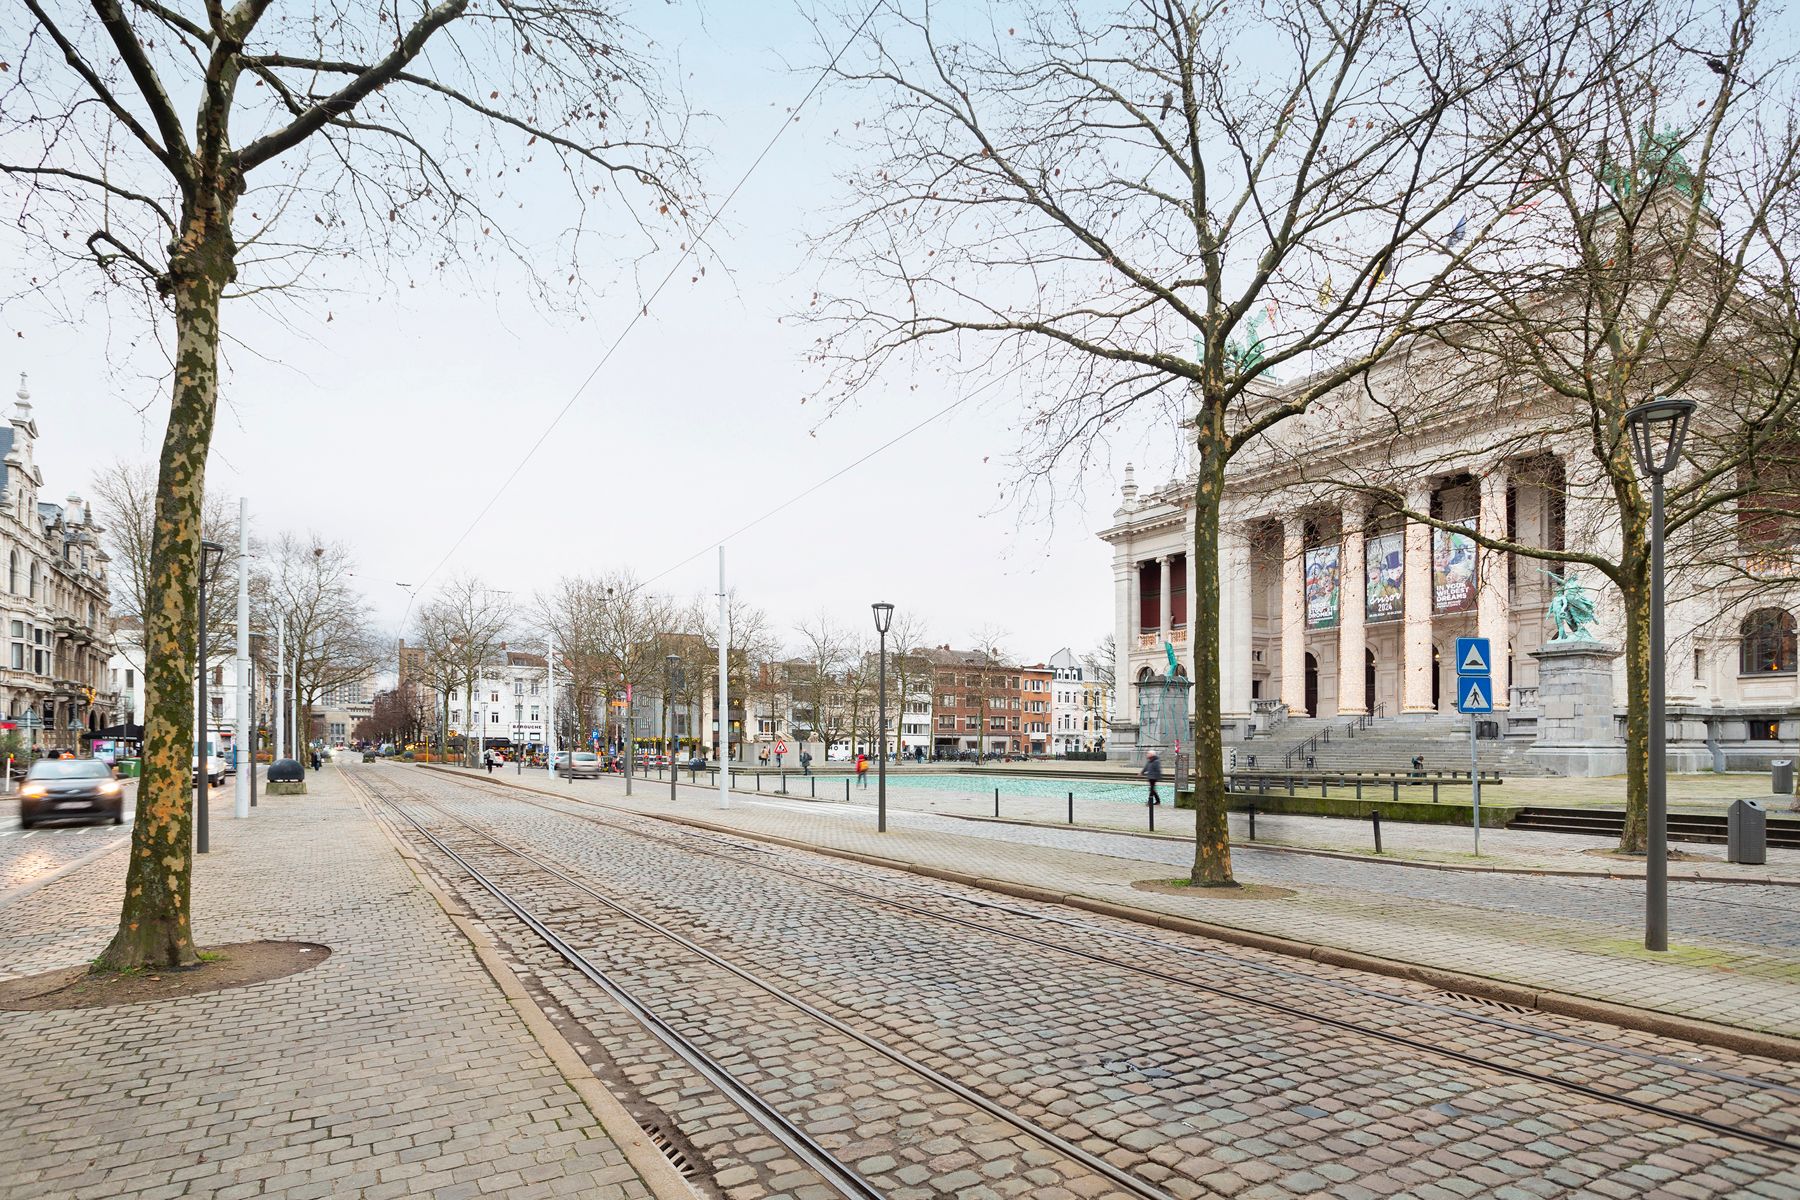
[1212,836]
[154,929]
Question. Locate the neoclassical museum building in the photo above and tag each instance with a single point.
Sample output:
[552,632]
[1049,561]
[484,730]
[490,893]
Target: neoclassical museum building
[54,683]
[1332,607]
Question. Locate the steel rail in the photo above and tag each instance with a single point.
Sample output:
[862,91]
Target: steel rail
[1092,1162]
[839,1177]
[1718,1128]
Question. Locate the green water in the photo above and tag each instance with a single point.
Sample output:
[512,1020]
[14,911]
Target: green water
[1024,786]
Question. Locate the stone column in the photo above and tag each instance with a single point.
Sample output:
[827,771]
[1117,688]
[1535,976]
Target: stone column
[1493,598]
[1124,697]
[1352,633]
[1234,621]
[1165,572]
[1293,615]
[1415,687]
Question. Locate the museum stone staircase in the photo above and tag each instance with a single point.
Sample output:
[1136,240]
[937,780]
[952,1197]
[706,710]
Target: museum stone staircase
[1384,744]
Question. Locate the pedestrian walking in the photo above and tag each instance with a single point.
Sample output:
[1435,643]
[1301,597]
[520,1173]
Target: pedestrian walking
[862,770]
[763,758]
[806,762]
[488,759]
[1153,772]
[779,755]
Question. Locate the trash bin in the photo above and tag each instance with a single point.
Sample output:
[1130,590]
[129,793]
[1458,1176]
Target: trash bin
[130,768]
[1781,777]
[1746,831]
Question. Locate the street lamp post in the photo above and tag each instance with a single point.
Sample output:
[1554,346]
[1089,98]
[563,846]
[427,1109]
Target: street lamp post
[884,619]
[210,552]
[1657,430]
[669,691]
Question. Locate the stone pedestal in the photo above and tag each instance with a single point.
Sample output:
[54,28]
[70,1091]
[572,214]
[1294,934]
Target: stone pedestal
[283,788]
[1122,743]
[1577,732]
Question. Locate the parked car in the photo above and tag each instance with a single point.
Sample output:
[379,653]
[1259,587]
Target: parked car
[56,787]
[215,769]
[582,764]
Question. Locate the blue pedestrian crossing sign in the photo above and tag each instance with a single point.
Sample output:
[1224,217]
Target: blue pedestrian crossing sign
[1473,656]
[1474,694]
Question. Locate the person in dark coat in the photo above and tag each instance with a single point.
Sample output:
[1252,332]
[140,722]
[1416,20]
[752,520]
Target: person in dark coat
[1153,772]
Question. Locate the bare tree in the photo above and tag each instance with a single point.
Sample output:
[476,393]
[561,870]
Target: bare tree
[1656,258]
[991,662]
[752,646]
[310,584]
[825,652]
[909,672]
[1077,202]
[189,154]
[125,496]
[572,619]
[463,629]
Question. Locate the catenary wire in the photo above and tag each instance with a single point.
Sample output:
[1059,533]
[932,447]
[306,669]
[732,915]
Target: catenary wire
[643,310]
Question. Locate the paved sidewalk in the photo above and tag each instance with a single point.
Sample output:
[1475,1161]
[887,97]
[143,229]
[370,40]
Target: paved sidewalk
[396,1068]
[1736,960]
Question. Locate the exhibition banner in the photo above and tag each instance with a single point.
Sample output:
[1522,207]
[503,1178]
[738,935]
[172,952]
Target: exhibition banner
[1452,571]
[1322,582]
[1384,560]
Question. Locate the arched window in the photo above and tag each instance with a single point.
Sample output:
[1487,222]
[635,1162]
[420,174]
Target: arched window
[1767,643]
[12,573]
[34,579]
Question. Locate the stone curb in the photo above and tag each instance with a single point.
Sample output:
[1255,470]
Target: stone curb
[653,1168]
[1566,1004]
[25,889]
[1347,856]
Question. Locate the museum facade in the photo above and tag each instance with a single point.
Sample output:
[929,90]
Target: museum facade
[1335,606]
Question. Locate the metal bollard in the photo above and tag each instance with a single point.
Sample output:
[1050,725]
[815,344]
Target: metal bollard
[1253,822]
[1434,791]
[1151,809]
[814,780]
[759,781]
[784,783]
[846,789]
[1359,787]
[1396,791]
[1071,808]
[1324,788]
[1375,819]
[1290,785]
[996,802]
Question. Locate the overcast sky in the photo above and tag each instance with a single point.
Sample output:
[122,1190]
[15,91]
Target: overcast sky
[391,425]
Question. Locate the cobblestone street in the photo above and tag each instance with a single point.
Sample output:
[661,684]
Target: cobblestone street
[396,1068]
[1734,960]
[1202,1069]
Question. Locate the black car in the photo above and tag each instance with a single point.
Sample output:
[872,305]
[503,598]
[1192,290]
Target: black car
[64,787]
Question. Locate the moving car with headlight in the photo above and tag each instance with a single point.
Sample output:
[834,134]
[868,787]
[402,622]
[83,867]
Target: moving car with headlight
[70,787]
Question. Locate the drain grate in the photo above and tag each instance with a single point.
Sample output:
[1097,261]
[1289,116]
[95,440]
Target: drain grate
[1485,1002]
[670,1150]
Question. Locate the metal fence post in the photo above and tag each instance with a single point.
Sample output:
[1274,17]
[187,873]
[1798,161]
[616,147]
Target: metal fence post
[1375,819]
[1253,822]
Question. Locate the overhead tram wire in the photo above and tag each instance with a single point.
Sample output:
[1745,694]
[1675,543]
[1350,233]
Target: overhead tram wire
[643,310]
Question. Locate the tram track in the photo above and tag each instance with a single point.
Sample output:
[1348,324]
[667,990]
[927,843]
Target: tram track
[842,1178]
[1714,1127]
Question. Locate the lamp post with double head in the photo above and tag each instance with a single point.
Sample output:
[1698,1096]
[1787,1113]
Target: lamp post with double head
[210,553]
[1657,430]
[884,620]
[671,663]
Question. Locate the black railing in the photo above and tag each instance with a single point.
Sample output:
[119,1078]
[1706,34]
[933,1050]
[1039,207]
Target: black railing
[1263,783]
